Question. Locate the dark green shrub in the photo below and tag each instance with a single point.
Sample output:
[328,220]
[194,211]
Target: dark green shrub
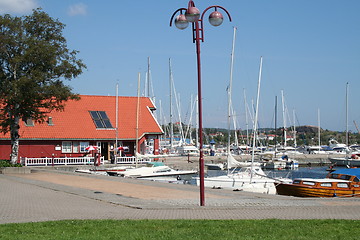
[6,163]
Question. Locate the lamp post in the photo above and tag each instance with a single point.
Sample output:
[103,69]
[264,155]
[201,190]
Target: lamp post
[193,15]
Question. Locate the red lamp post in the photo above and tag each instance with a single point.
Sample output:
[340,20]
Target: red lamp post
[192,14]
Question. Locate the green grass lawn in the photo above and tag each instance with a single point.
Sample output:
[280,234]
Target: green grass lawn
[183,229]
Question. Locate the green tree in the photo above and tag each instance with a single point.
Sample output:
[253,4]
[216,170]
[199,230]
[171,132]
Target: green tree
[34,62]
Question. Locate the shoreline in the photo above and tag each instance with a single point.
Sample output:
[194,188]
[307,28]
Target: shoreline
[192,162]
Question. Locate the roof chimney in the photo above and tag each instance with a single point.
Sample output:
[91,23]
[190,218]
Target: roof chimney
[50,121]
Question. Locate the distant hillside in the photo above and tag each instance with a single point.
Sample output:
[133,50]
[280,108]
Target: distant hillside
[307,129]
[305,135]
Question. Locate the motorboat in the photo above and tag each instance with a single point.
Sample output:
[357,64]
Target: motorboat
[283,162]
[153,169]
[338,148]
[339,183]
[352,161]
[104,171]
[316,150]
[188,150]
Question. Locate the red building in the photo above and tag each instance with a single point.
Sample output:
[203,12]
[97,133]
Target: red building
[91,121]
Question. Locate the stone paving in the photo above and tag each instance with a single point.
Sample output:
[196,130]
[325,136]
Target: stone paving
[50,195]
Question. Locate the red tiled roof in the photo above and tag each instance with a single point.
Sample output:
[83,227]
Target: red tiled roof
[75,122]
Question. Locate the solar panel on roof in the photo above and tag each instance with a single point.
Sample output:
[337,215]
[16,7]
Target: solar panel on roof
[100,119]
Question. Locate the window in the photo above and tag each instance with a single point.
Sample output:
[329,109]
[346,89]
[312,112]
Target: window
[66,147]
[345,177]
[325,184]
[100,119]
[308,183]
[296,181]
[334,175]
[75,147]
[342,185]
[83,146]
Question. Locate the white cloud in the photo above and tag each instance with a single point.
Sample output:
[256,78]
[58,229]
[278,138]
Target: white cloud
[17,6]
[77,9]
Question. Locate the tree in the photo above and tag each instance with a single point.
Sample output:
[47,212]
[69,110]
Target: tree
[34,62]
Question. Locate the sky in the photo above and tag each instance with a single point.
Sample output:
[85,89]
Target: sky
[310,51]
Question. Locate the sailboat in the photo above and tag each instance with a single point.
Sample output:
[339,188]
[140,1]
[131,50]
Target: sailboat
[231,162]
[279,162]
[248,178]
[353,160]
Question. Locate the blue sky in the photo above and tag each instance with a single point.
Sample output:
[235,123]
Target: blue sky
[310,50]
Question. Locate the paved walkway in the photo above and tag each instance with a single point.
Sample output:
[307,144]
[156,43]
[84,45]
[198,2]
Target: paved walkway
[48,195]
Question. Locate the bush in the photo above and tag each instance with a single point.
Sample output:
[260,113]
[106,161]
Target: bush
[6,163]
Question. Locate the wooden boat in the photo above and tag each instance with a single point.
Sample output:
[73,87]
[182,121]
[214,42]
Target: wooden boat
[340,183]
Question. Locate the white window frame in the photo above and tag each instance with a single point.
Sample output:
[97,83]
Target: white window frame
[66,147]
[83,145]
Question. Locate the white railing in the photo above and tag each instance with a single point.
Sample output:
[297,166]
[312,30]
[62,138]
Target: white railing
[59,161]
[131,160]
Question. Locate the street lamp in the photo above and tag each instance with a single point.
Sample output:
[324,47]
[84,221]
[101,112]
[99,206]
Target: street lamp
[193,15]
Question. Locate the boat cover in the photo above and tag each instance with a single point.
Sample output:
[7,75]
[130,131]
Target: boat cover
[349,171]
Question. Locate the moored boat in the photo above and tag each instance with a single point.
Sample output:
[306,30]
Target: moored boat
[340,183]
[153,169]
[283,162]
[104,171]
[248,179]
[353,161]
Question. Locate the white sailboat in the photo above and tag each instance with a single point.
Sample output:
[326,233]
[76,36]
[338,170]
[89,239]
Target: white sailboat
[248,178]
[271,160]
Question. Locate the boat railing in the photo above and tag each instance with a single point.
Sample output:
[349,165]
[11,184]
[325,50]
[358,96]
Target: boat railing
[48,161]
[131,160]
[279,175]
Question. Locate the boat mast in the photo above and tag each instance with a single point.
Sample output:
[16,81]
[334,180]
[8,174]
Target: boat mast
[171,111]
[229,97]
[319,140]
[284,116]
[162,123]
[347,115]
[256,118]
[295,144]
[275,125]
[246,119]
[147,93]
[117,117]
[197,123]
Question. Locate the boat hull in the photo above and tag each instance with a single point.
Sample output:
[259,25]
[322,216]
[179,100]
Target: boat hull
[345,162]
[305,191]
[266,186]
